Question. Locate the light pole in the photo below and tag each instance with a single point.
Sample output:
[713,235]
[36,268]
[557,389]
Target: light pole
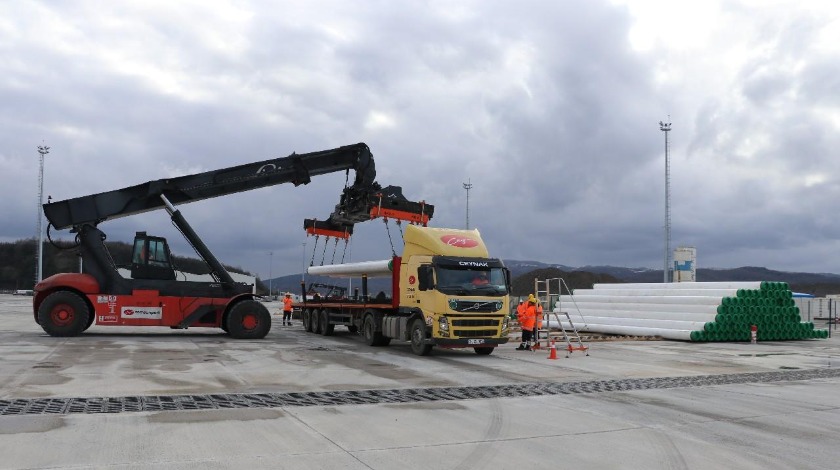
[303,262]
[468,186]
[666,128]
[42,151]
[270,265]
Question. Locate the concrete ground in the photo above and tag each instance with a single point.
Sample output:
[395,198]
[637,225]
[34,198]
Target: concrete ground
[681,405]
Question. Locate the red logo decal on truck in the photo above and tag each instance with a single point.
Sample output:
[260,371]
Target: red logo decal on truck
[460,242]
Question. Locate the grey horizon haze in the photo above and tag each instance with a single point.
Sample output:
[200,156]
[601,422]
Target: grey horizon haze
[550,110]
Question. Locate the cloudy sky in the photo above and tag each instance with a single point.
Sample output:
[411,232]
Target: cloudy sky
[550,109]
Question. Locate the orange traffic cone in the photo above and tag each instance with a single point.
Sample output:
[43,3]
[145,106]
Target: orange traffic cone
[552,351]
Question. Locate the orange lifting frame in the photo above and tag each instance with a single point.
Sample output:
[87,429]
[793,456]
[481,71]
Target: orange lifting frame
[328,233]
[411,217]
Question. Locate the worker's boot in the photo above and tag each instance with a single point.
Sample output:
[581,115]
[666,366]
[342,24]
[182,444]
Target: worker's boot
[521,347]
[528,347]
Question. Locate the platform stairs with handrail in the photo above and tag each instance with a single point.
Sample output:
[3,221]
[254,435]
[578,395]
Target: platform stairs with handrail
[546,290]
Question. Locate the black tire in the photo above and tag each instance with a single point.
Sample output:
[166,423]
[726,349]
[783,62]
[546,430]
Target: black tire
[484,351]
[373,337]
[324,320]
[316,321]
[418,338]
[248,319]
[64,313]
[307,320]
[89,322]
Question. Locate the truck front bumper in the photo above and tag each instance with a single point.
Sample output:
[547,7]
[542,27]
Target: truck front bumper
[468,342]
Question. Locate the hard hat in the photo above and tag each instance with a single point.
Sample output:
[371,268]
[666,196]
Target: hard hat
[531,298]
[288,294]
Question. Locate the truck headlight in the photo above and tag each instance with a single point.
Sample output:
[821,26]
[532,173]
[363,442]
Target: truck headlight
[443,326]
[505,323]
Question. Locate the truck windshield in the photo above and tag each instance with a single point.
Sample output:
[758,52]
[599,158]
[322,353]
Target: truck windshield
[471,281]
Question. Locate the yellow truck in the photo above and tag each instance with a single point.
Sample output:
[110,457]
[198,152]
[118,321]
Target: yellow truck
[446,292]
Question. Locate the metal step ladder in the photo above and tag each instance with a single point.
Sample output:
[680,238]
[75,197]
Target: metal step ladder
[546,291]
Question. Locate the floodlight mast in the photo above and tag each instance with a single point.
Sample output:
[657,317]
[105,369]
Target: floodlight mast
[468,185]
[666,128]
[43,150]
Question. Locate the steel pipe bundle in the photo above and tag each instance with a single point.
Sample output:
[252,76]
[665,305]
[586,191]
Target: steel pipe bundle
[693,311]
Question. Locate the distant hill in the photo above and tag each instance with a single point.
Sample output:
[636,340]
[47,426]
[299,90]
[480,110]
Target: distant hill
[17,271]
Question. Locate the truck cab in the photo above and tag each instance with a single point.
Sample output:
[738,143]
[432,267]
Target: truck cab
[461,295]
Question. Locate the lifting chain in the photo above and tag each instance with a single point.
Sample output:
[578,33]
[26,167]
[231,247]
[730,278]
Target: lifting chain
[324,254]
[344,251]
[388,230]
[314,247]
[335,247]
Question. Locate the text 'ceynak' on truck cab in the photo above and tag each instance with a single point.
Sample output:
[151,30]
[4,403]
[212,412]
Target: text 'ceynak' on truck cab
[446,292]
[156,294]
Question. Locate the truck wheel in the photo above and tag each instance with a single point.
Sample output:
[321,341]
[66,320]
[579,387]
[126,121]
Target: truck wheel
[373,337]
[326,328]
[418,338]
[248,319]
[307,320]
[316,321]
[484,351]
[63,313]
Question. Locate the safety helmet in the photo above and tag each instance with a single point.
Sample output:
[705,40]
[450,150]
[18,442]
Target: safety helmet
[531,298]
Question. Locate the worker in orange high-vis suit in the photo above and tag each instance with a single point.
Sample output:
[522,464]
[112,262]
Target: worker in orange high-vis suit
[528,321]
[287,310]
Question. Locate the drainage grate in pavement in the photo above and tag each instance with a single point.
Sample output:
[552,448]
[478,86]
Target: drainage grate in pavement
[62,406]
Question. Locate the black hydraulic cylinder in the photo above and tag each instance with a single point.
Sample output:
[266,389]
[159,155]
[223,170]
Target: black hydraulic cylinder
[178,219]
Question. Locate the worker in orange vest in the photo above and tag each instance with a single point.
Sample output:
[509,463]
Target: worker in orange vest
[520,309]
[528,321]
[287,309]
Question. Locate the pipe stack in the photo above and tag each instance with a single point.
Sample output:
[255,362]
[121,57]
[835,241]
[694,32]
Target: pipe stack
[690,311]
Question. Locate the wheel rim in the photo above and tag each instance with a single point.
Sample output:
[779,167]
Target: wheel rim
[249,322]
[62,315]
[417,337]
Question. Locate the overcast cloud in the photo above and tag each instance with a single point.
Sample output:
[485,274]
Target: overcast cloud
[549,108]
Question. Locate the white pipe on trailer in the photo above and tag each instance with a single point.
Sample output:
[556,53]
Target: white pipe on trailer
[370,268]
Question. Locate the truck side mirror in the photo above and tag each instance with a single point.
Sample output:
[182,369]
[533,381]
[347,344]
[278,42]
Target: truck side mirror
[424,275]
[507,278]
